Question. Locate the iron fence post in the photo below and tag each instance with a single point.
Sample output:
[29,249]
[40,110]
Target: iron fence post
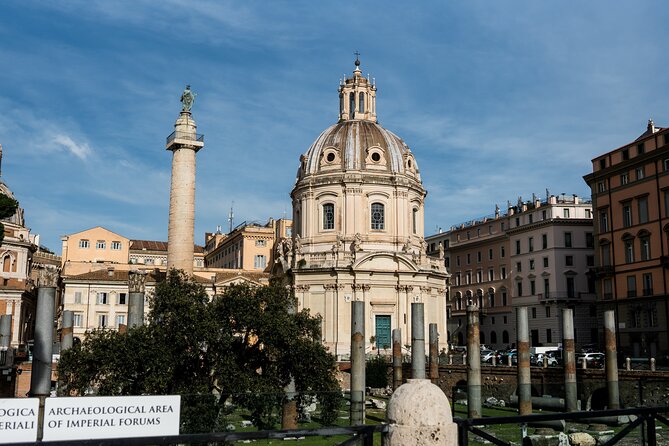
[650,429]
[463,433]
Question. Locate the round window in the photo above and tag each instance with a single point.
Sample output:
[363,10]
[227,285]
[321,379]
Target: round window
[376,157]
[330,157]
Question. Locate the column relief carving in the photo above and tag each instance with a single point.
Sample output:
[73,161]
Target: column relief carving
[136,280]
[47,277]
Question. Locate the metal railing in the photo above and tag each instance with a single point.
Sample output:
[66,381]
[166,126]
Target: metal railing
[185,135]
[359,435]
[646,419]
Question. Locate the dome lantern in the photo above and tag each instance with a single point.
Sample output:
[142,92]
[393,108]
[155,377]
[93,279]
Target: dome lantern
[357,97]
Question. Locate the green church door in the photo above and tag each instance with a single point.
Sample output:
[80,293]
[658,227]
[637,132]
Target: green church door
[383,339]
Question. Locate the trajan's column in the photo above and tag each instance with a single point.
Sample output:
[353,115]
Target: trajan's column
[184,143]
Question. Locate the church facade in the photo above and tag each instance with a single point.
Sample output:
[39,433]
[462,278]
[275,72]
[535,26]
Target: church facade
[358,212]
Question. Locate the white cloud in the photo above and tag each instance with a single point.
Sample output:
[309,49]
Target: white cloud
[80,150]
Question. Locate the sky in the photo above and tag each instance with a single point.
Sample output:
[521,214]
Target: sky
[497,99]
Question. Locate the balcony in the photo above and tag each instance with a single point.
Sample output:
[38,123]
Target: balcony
[602,271]
[558,296]
[185,138]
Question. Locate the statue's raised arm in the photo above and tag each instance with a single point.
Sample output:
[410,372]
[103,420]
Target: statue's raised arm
[187,99]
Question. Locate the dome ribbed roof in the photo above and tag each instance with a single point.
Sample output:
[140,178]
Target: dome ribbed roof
[353,144]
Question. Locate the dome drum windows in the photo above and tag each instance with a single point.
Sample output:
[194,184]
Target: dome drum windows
[378,216]
[328,216]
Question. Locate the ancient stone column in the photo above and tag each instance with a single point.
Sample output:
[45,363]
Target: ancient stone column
[358,363]
[611,358]
[473,363]
[569,356]
[524,378]
[66,333]
[434,353]
[40,378]
[397,358]
[417,341]
[136,291]
[40,381]
[5,331]
[184,144]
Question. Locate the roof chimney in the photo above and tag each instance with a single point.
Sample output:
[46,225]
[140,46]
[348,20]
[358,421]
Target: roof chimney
[110,272]
[651,126]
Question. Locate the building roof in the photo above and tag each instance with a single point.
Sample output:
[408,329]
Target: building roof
[114,275]
[95,227]
[153,245]
[252,275]
[155,275]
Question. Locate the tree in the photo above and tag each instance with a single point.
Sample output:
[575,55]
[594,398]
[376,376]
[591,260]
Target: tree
[8,207]
[241,347]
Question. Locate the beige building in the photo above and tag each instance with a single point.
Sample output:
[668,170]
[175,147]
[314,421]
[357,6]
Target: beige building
[94,277]
[358,208]
[97,248]
[249,246]
[95,245]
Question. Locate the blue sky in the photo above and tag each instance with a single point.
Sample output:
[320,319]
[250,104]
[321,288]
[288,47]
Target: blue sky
[496,99]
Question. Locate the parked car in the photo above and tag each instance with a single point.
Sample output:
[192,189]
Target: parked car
[593,360]
[550,359]
[486,356]
[514,357]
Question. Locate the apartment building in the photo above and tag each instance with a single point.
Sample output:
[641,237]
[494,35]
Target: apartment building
[538,255]
[630,193]
[476,254]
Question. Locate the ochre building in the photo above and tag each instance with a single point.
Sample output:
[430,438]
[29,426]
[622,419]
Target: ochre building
[630,196]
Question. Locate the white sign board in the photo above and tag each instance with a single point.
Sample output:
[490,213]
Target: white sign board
[18,420]
[80,418]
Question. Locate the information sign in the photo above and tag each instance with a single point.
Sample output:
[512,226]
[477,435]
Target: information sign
[78,418]
[18,420]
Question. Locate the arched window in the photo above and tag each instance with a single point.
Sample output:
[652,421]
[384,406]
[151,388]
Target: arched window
[328,216]
[361,102]
[468,294]
[378,216]
[479,298]
[414,220]
[458,301]
[491,297]
[505,337]
[6,264]
[493,337]
[351,105]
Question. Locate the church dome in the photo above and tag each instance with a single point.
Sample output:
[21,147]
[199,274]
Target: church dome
[359,144]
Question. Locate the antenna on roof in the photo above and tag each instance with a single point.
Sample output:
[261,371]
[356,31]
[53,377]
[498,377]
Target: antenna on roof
[231,217]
